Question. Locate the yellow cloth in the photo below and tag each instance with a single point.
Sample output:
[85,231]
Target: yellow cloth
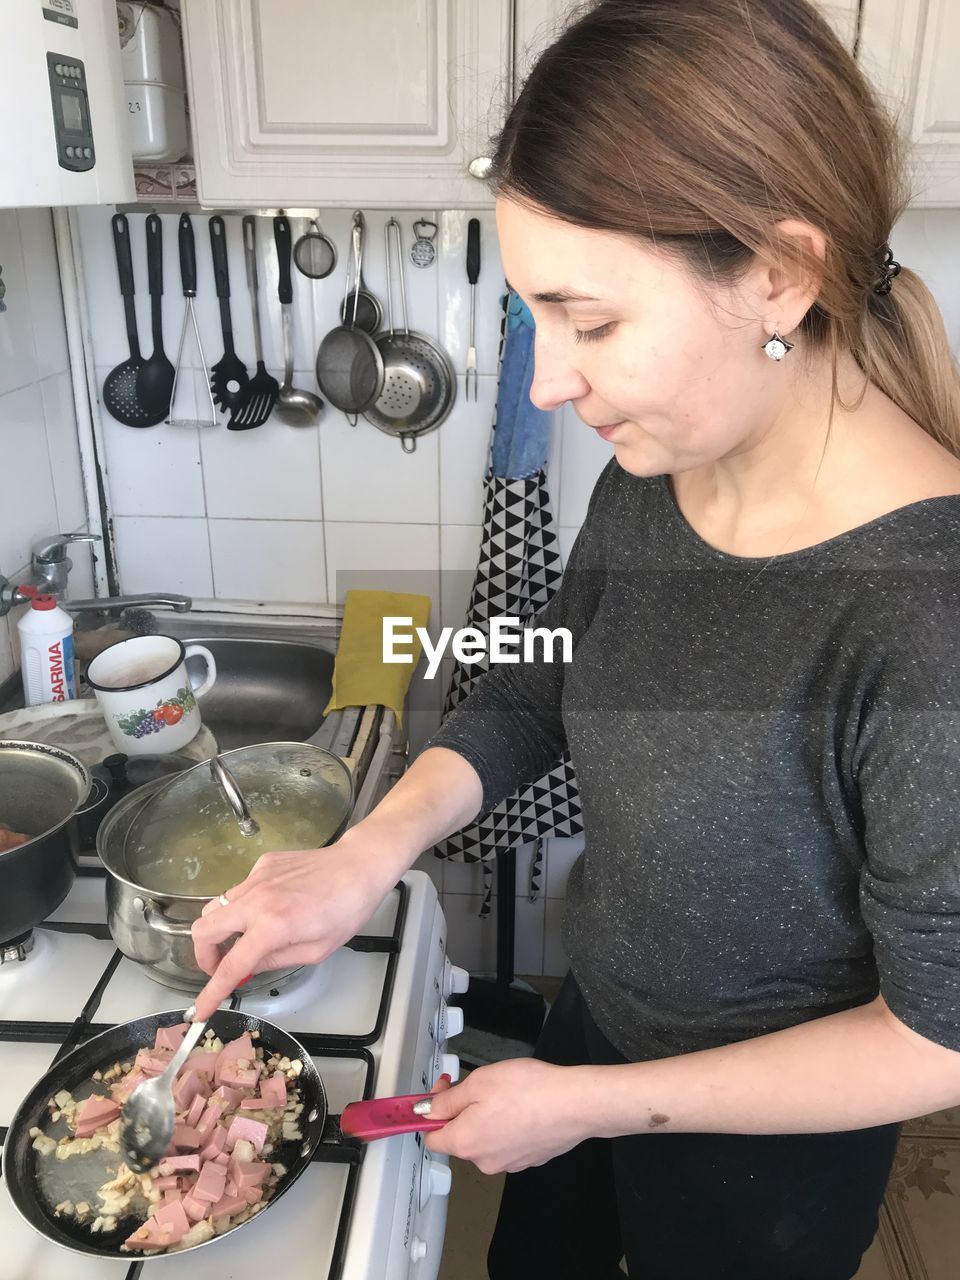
[360,676]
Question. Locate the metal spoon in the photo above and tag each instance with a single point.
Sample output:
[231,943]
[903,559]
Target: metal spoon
[149,1114]
[296,407]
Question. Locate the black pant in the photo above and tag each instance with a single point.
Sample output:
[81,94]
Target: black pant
[688,1206]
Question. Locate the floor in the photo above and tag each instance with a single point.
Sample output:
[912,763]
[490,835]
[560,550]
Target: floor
[918,1238]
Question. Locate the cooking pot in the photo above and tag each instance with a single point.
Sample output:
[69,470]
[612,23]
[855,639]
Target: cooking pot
[41,789]
[173,845]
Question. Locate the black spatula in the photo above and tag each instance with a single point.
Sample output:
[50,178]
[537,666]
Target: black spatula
[120,385]
[228,377]
[155,376]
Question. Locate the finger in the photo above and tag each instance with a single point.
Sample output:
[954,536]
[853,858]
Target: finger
[241,960]
[233,894]
[444,1082]
[208,932]
[448,1102]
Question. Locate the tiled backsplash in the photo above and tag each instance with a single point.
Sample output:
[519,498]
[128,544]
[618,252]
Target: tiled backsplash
[39,453]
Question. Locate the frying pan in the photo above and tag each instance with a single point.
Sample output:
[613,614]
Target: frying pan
[22,1165]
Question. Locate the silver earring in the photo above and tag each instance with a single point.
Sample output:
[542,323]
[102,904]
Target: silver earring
[776,347]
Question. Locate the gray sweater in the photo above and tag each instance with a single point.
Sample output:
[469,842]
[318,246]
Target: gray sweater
[769,763]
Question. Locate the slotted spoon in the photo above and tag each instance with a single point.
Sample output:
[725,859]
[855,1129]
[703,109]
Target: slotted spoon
[120,384]
[228,377]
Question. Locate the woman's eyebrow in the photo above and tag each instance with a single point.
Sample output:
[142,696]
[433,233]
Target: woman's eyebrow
[560,295]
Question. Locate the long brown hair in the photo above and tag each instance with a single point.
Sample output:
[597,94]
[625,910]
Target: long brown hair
[697,125]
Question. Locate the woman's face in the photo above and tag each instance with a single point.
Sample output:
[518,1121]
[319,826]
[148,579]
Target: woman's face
[625,336]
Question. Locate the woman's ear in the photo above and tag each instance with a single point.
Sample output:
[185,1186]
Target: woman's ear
[786,290]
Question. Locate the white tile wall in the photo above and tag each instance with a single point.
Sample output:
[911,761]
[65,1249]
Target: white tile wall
[39,452]
[231,512]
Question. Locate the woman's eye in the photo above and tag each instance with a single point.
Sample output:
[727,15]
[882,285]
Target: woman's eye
[592,335]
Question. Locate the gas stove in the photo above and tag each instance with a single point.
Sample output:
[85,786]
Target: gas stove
[373,1017]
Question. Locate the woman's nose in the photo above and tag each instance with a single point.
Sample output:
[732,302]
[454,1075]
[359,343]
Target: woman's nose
[555,380]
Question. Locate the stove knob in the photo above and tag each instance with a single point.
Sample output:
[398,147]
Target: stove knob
[452,1021]
[418,1249]
[455,980]
[450,1063]
[439,1178]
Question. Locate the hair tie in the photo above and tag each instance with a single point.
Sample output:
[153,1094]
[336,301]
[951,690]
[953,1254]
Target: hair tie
[889,269]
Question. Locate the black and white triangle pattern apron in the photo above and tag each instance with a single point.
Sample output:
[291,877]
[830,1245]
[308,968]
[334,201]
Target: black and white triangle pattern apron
[518,572]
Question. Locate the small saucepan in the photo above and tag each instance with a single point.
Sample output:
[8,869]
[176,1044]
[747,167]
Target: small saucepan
[41,790]
[36,1183]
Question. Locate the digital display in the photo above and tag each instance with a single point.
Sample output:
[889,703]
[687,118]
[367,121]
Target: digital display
[71,112]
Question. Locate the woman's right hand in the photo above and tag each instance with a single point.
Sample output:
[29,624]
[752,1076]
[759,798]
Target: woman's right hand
[294,908]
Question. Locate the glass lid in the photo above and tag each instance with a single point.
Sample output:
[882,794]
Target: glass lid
[188,839]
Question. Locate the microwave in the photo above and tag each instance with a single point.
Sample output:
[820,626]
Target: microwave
[63,134]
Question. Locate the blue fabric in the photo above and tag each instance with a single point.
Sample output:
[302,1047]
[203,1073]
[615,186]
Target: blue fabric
[521,437]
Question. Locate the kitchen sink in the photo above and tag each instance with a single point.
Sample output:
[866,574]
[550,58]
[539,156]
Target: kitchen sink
[273,681]
[266,690]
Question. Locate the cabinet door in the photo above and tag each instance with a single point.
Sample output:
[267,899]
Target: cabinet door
[539,21]
[909,48]
[386,102]
[842,16]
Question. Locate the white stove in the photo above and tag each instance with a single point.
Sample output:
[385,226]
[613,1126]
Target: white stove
[373,1017]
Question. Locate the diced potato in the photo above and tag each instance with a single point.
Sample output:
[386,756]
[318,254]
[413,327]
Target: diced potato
[63,1098]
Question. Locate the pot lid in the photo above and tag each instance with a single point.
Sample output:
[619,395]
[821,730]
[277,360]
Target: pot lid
[187,840]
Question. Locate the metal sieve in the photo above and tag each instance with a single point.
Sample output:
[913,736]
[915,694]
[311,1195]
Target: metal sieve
[419,385]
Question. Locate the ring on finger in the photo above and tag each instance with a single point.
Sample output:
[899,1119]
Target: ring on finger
[224,900]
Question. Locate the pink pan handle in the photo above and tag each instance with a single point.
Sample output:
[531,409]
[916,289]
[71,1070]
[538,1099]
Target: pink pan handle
[380,1117]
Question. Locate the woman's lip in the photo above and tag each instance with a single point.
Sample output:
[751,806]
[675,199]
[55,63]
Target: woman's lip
[607,431]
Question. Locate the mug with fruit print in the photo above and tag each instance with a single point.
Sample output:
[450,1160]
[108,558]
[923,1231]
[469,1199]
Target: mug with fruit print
[147,696]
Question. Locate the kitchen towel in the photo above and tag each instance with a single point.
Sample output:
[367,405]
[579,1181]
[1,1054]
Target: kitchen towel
[518,571]
[360,675]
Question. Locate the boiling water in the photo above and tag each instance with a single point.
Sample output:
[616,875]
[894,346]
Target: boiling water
[204,853]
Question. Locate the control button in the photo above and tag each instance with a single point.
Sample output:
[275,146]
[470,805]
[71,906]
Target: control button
[58,69]
[440,1178]
[73,71]
[70,153]
[455,980]
[453,1022]
[87,153]
[450,1064]
[418,1249]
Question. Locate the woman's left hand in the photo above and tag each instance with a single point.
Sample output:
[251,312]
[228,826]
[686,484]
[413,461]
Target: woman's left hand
[510,1115]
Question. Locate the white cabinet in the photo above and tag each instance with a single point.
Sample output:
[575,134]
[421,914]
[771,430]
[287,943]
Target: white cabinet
[909,49]
[306,103]
[538,21]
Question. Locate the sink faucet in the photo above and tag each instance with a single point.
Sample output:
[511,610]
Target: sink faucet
[50,567]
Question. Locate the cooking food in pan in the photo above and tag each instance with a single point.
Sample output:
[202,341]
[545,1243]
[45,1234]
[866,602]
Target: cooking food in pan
[235,1104]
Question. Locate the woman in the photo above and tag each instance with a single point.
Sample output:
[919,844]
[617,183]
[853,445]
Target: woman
[694,198]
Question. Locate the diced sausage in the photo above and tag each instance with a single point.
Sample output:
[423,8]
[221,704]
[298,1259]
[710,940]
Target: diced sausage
[196,1110]
[179,1164]
[195,1209]
[209,1186]
[186,1138]
[252,1131]
[171,1038]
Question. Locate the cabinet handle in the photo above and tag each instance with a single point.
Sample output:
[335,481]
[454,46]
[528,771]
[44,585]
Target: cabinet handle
[480,166]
